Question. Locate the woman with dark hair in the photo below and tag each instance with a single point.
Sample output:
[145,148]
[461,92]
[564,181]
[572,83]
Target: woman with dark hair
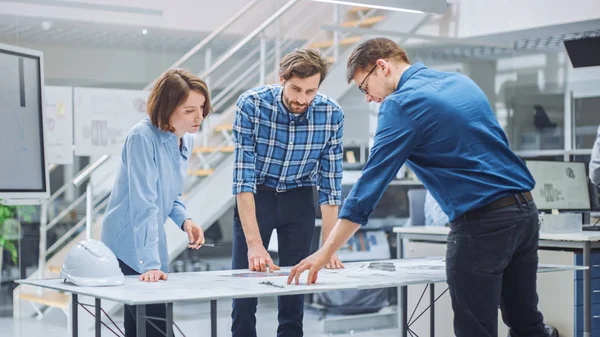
[149,183]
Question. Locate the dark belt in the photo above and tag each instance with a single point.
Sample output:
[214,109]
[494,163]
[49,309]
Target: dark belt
[504,202]
[266,188]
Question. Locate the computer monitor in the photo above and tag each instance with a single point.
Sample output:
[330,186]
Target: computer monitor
[560,185]
[23,173]
[393,203]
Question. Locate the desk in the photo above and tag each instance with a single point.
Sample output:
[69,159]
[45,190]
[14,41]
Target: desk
[226,284]
[582,241]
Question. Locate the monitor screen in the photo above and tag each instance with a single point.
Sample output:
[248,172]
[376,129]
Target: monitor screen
[393,203]
[23,172]
[560,185]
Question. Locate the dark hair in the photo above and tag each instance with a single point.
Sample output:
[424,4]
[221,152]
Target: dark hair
[170,91]
[303,63]
[367,53]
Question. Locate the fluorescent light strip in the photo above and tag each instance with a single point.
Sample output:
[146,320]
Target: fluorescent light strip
[349,3]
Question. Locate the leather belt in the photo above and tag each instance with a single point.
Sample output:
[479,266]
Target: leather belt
[504,202]
[271,189]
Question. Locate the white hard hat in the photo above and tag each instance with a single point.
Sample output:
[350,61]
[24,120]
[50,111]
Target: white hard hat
[91,264]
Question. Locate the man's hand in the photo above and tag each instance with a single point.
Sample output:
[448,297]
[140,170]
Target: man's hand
[153,276]
[334,263]
[195,234]
[259,258]
[313,264]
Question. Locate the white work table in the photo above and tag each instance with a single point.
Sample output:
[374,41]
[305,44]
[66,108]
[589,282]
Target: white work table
[226,284]
[583,241]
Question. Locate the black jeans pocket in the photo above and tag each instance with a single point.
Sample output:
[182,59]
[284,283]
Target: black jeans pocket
[491,252]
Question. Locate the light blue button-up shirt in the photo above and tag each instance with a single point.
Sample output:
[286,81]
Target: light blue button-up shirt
[147,189]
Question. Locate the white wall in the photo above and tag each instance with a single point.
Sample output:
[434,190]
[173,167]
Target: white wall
[482,17]
[107,67]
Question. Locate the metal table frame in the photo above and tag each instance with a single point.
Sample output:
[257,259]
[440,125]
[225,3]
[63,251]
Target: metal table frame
[584,246]
[141,317]
[404,322]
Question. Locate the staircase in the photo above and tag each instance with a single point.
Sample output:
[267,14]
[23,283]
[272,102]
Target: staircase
[248,62]
[213,160]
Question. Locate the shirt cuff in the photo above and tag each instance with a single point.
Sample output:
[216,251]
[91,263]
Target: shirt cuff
[179,217]
[148,260]
[242,187]
[329,199]
[352,211]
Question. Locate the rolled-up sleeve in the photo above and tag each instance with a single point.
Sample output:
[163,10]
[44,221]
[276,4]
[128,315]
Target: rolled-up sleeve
[395,139]
[330,168]
[595,161]
[178,213]
[244,176]
[143,176]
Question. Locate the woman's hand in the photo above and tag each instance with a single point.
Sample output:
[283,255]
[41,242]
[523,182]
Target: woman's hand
[153,276]
[195,234]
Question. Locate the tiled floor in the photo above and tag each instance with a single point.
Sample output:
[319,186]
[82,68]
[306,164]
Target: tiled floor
[192,318]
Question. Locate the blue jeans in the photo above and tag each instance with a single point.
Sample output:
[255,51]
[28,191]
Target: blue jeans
[292,213]
[491,262]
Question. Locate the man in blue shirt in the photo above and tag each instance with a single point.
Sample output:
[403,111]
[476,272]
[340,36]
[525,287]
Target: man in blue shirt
[288,138]
[442,125]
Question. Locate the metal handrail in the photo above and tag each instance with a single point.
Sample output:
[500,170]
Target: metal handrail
[247,39]
[65,211]
[67,185]
[72,230]
[210,37]
[243,79]
[88,170]
[235,68]
[217,103]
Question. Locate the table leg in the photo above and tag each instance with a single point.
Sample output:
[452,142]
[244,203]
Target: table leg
[401,291]
[432,310]
[213,318]
[399,246]
[170,320]
[98,318]
[587,295]
[140,320]
[404,321]
[74,318]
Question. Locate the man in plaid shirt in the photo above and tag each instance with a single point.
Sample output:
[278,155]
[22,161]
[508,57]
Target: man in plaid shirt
[288,138]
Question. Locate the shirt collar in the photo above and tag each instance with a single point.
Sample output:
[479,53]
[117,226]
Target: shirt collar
[164,136]
[279,100]
[409,72]
[185,151]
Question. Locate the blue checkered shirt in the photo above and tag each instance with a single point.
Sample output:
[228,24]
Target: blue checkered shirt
[276,148]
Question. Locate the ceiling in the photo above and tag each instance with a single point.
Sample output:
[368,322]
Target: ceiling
[25,30]
[532,41]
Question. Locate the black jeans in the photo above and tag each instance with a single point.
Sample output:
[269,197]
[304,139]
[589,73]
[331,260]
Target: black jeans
[491,262]
[152,310]
[292,213]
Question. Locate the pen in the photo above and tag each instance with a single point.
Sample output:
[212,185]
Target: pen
[207,244]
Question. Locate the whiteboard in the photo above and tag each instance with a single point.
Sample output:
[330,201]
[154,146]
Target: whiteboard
[58,110]
[559,185]
[23,167]
[103,117]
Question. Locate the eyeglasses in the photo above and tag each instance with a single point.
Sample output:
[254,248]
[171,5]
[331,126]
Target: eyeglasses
[360,87]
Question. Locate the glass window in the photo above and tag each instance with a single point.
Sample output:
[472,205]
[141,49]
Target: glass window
[586,119]
[530,104]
